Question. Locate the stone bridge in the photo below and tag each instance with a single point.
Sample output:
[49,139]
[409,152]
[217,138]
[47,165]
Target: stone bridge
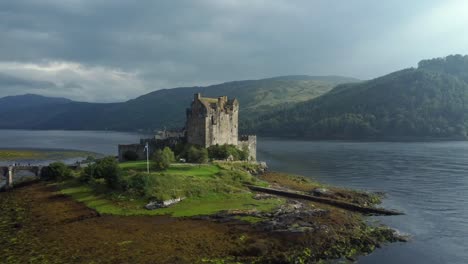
[9,172]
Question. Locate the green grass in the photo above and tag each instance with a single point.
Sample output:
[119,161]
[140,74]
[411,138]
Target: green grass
[191,206]
[208,189]
[39,154]
[133,165]
[199,170]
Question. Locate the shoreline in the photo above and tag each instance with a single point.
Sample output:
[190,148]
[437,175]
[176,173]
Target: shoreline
[297,230]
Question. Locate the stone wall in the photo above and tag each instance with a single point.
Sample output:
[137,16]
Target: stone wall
[139,149]
[212,121]
[249,142]
[153,144]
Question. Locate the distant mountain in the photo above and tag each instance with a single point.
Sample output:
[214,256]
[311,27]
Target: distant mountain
[28,101]
[162,107]
[428,101]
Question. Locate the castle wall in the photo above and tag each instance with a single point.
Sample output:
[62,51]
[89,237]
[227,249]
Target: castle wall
[223,127]
[139,149]
[249,143]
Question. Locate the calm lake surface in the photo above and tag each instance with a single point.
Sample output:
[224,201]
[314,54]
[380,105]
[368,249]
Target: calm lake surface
[428,181]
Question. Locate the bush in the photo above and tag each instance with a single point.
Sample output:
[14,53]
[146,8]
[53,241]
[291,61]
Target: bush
[162,159]
[107,169]
[130,155]
[224,152]
[56,171]
[134,183]
[197,155]
[87,174]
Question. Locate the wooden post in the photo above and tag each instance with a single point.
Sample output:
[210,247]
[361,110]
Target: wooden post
[9,182]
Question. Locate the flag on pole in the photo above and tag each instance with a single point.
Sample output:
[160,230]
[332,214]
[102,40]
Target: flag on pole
[147,157]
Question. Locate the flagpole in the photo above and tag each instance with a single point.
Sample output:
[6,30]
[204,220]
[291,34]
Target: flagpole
[147,157]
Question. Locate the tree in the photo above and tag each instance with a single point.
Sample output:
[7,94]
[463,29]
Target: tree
[108,169]
[56,171]
[197,155]
[162,159]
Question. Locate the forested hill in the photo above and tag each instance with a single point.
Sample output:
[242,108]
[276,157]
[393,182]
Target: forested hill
[162,107]
[428,101]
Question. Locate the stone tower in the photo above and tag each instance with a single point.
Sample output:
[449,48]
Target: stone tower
[212,121]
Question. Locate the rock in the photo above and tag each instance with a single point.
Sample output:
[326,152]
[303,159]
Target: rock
[321,192]
[400,236]
[262,196]
[163,204]
[153,205]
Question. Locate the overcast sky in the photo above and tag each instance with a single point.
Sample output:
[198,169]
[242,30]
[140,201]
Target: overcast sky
[114,50]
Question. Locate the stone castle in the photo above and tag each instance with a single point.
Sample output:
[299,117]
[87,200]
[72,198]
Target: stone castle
[210,121]
[215,121]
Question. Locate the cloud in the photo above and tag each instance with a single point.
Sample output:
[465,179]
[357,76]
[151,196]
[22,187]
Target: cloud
[71,80]
[101,50]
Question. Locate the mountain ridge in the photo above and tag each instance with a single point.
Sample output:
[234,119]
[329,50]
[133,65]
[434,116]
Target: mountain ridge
[430,101]
[144,112]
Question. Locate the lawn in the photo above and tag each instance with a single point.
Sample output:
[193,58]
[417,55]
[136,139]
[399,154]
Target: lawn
[191,206]
[199,170]
[208,189]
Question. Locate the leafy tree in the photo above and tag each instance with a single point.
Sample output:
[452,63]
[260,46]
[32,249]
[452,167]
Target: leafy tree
[88,173]
[107,169]
[56,171]
[197,155]
[162,159]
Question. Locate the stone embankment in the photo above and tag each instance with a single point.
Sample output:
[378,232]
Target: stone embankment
[333,202]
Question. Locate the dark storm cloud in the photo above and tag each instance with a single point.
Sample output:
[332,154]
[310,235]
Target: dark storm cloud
[138,46]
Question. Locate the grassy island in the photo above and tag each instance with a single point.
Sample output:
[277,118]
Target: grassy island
[76,219]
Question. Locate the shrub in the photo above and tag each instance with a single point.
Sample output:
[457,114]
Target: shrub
[130,155]
[56,171]
[87,174]
[197,155]
[162,159]
[134,183]
[224,152]
[107,169]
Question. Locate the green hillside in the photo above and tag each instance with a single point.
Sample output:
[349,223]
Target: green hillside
[166,107]
[429,101]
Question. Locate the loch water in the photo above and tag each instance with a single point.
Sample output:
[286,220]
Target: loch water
[426,180]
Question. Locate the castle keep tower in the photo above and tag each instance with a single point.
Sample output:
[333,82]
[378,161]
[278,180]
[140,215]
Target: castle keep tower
[212,121]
